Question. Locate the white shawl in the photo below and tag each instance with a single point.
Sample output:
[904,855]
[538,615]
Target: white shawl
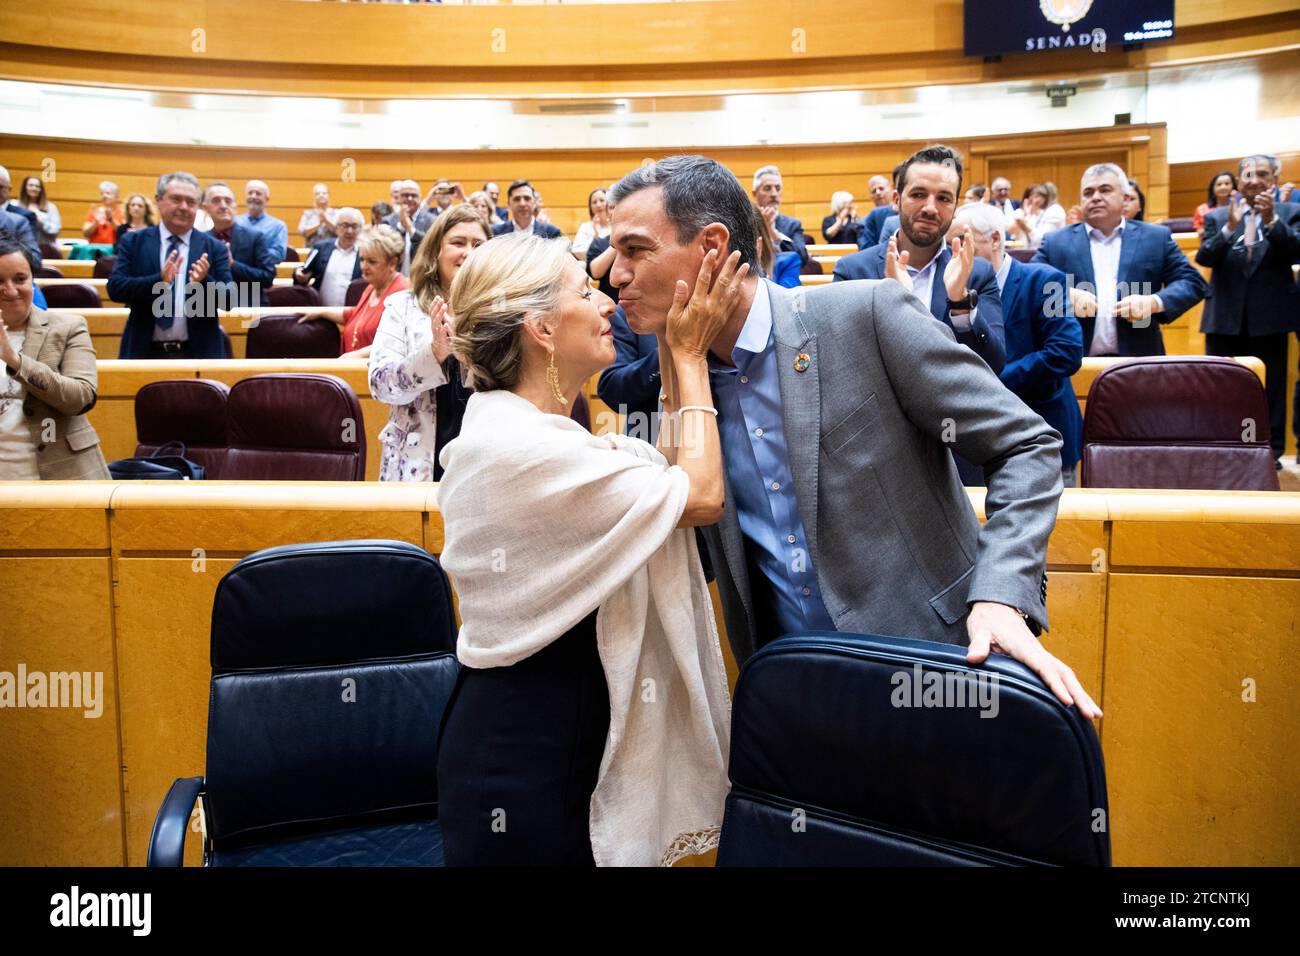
[544,523]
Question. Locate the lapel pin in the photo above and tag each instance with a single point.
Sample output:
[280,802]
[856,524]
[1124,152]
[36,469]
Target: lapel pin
[801,362]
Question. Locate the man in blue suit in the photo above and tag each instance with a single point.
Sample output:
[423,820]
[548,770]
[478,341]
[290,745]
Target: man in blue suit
[1044,340]
[881,222]
[523,213]
[785,232]
[174,278]
[1126,277]
[21,230]
[252,260]
[960,290]
[1250,245]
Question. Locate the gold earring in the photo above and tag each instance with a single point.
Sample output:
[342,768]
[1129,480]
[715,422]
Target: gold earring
[553,379]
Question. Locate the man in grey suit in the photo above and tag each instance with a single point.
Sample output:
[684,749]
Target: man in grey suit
[837,408]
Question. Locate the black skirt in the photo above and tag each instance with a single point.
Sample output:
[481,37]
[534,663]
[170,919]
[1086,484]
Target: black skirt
[519,756]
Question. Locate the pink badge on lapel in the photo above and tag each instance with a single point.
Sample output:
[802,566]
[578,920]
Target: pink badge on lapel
[801,362]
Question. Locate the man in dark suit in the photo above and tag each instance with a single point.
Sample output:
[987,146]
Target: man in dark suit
[1250,245]
[784,232]
[406,218]
[494,196]
[251,259]
[334,264]
[21,230]
[815,388]
[960,290]
[522,199]
[174,279]
[1124,273]
[1044,340]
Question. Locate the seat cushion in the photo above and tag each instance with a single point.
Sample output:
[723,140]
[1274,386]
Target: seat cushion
[411,843]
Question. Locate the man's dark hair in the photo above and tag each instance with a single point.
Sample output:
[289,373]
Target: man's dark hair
[9,244]
[936,155]
[519,184]
[898,171]
[697,192]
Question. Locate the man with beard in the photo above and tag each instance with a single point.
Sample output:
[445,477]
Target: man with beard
[816,388]
[959,289]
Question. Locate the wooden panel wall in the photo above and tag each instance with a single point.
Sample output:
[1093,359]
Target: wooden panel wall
[579,49]
[564,177]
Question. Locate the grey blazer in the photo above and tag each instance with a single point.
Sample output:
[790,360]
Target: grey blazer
[896,545]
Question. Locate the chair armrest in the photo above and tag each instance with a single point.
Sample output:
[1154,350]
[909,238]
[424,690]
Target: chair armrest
[167,841]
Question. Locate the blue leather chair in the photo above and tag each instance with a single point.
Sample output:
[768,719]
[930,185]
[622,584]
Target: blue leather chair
[332,665]
[837,760]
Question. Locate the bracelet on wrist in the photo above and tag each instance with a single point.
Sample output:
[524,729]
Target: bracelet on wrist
[698,408]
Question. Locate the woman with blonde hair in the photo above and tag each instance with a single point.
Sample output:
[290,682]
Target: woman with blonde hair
[381,249]
[578,579]
[483,203]
[411,365]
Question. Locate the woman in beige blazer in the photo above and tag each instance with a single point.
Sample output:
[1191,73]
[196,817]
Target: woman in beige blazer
[47,383]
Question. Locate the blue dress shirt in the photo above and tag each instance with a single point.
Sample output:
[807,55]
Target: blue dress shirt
[276,232]
[759,479]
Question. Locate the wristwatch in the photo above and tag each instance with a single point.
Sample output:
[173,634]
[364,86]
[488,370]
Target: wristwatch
[971,300]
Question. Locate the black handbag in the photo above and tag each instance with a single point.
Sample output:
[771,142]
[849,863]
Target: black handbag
[157,467]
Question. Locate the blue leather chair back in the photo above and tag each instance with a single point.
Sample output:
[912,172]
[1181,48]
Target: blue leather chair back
[332,664]
[839,757]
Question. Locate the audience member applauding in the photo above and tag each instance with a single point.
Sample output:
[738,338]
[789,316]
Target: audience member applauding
[100,227]
[334,264]
[1218,195]
[317,223]
[379,212]
[1250,244]
[174,279]
[960,290]
[252,263]
[48,378]
[597,226]
[1000,197]
[975,194]
[381,259]
[1135,204]
[541,213]
[544,718]
[784,232]
[494,197]
[141,213]
[405,219]
[33,199]
[1036,216]
[1044,341]
[843,224]
[523,208]
[1122,272]
[256,195]
[781,267]
[411,365]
